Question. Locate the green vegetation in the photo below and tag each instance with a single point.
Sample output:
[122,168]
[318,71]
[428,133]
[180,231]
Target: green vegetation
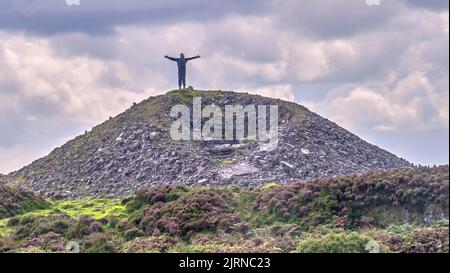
[269,185]
[225,162]
[14,201]
[96,208]
[345,242]
[398,211]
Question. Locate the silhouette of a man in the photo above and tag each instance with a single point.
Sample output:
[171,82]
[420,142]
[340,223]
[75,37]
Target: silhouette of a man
[181,62]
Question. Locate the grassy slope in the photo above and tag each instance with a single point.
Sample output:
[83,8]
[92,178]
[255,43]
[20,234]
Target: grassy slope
[14,201]
[399,210]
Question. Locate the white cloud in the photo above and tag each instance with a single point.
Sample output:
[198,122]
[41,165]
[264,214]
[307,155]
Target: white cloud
[43,95]
[72,85]
[283,91]
[11,159]
[390,64]
[412,104]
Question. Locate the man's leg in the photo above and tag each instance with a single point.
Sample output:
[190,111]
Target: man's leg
[180,80]
[183,79]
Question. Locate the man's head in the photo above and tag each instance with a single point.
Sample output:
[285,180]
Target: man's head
[181,55]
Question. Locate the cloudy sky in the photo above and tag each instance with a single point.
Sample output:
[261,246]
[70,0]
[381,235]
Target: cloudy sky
[380,71]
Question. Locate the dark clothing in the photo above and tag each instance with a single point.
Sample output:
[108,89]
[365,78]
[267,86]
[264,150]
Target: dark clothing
[181,63]
[182,77]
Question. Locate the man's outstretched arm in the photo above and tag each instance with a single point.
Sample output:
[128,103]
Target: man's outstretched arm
[170,58]
[196,57]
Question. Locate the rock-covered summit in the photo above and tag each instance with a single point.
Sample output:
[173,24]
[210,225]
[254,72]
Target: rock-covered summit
[134,150]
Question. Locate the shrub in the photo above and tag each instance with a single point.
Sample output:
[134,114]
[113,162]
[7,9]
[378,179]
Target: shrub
[196,211]
[418,195]
[33,226]
[145,197]
[347,242]
[420,240]
[100,243]
[17,201]
[6,244]
[51,241]
[83,227]
[152,244]
[132,233]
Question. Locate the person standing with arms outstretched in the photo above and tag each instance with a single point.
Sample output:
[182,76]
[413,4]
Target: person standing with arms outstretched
[181,62]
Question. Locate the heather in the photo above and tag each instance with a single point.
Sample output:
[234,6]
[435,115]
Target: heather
[404,210]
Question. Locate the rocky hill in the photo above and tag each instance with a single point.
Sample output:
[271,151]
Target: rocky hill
[134,150]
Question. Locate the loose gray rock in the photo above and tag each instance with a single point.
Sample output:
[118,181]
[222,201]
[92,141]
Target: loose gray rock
[134,150]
